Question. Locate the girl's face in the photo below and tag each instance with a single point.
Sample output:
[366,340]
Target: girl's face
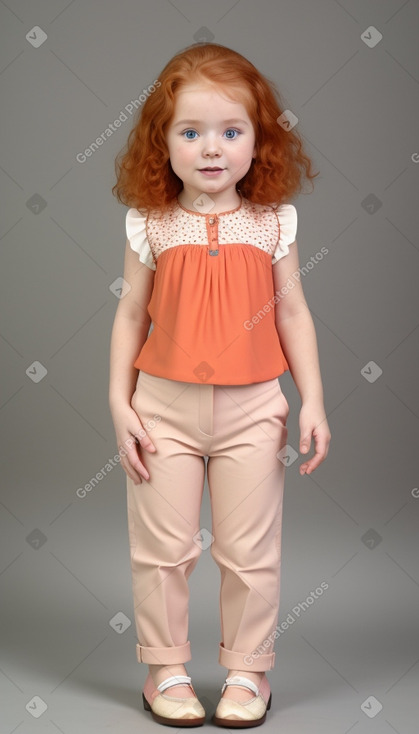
[209,131]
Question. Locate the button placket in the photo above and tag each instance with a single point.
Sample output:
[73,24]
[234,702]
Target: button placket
[212,229]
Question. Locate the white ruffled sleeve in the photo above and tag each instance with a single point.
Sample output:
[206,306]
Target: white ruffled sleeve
[287,218]
[135,224]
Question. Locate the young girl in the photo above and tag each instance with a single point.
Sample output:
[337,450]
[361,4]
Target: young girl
[209,257]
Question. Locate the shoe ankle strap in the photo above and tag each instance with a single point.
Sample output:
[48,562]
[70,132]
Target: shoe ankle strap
[174,680]
[239,680]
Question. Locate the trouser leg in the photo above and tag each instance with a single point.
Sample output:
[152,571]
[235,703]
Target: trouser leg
[163,522]
[246,484]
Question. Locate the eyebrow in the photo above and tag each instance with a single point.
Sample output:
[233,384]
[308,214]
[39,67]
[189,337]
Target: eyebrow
[224,122]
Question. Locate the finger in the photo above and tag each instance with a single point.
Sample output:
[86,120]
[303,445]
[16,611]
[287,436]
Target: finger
[305,442]
[147,444]
[136,465]
[129,468]
[130,471]
[314,462]
[136,478]
[321,447]
[144,440]
[309,466]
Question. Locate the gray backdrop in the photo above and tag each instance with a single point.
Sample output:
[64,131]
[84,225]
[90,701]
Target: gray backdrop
[349,659]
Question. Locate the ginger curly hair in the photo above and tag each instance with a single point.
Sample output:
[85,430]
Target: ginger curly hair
[145,178]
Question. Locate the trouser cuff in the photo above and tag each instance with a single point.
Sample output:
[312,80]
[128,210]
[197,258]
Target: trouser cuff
[164,655]
[246,661]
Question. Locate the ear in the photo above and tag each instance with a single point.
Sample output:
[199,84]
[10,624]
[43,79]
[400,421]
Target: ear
[254,152]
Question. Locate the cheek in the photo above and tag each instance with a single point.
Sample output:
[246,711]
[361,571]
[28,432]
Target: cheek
[181,154]
[243,152]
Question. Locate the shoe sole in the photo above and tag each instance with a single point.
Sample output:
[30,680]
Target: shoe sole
[172,722]
[242,723]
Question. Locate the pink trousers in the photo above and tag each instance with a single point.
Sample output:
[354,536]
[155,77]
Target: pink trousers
[241,429]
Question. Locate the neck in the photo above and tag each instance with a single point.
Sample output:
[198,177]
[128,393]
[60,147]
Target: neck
[209,203]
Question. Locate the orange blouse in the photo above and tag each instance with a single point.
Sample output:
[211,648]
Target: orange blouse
[212,306]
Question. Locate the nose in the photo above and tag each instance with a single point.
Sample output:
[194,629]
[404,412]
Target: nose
[211,147]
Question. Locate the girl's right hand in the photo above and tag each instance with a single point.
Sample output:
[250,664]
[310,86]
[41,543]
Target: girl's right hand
[130,435]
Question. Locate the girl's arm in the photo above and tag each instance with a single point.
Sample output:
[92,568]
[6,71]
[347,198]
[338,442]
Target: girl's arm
[129,333]
[298,339]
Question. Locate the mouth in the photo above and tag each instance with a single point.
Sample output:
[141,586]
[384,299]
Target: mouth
[210,168]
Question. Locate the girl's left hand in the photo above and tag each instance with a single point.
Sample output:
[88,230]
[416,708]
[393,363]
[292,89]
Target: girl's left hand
[313,422]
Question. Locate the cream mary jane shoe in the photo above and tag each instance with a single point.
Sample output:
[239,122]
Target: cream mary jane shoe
[170,710]
[233,714]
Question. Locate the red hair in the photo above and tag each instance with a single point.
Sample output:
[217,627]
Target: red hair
[145,178]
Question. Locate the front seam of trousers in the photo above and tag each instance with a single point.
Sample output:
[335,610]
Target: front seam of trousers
[206,409]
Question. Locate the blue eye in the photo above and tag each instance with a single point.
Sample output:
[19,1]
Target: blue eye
[230,133]
[186,133]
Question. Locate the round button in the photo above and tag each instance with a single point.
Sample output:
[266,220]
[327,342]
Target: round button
[212,220]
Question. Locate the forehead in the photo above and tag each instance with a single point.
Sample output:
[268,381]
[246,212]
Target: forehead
[199,97]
